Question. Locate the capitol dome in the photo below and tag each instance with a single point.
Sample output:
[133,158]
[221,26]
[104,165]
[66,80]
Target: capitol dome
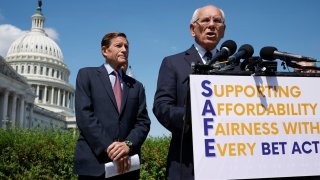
[38,58]
[36,43]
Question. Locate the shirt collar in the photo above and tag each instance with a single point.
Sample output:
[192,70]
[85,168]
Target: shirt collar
[202,51]
[110,70]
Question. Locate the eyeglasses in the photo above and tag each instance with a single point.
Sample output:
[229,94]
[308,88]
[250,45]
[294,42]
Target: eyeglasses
[218,21]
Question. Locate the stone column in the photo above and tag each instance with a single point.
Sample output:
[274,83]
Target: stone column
[68,99]
[45,95]
[58,98]
[38,69]
[55,74]
[31,68]
[50,72]
[31,115]
[52,95]
[63,98]
[72,101]
[37,93]
[13,110]
[4,117]
[22,111]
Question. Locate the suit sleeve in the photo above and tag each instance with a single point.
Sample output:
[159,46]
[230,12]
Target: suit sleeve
[142,125]
[165,106]
[88,123]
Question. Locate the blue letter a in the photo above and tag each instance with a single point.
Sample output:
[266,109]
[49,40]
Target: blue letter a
[208,108]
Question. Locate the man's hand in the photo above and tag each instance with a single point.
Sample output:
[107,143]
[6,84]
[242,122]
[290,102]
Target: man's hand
[118,152]
[123,164]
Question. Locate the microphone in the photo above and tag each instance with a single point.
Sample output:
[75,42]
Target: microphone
[272,53]
[227,48]
[244,52]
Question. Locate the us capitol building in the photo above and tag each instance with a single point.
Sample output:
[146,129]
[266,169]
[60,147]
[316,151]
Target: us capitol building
[34,86]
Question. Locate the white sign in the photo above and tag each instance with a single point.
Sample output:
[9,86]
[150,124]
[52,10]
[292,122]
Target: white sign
[255,126]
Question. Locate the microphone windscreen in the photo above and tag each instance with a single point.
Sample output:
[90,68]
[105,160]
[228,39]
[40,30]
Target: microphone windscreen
[268,53]
[248,50]
[231,45]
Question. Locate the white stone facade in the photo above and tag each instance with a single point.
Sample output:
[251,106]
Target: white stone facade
[17,108]
[16,98]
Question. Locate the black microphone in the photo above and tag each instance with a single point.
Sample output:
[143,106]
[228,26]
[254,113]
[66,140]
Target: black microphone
[244,52]
[272,53]
[227,48]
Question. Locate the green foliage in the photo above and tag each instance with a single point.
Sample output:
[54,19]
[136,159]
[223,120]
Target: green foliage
[154,158]
[48,154]
[36,154]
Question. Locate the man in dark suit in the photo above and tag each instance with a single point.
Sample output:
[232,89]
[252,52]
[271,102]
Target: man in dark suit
[207,26]
[111,114]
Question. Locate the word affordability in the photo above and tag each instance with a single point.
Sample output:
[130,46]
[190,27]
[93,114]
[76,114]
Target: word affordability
[257,109]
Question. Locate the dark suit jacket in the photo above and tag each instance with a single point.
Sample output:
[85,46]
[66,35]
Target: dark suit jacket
[168,107]
[99,121]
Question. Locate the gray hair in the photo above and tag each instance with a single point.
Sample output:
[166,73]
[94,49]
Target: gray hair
[196,14]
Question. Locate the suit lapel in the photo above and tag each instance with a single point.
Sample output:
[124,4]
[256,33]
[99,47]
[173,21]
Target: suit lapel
[125,91]
[192,55]
[104,77]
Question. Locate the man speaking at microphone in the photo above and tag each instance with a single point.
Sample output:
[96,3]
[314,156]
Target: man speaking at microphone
[207,26]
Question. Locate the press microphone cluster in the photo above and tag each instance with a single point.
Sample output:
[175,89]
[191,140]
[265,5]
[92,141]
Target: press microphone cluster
[227,54]
[227,58]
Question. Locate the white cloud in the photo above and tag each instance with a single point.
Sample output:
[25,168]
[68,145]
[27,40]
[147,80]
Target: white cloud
[8,33]
[52,33]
